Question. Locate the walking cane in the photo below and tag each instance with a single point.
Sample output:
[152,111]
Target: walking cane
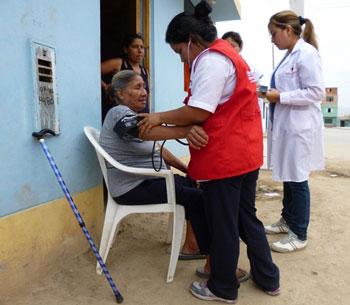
[40,137]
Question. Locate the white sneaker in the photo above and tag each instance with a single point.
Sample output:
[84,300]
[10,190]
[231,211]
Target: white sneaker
[289,243]
[201,291]
[277,227]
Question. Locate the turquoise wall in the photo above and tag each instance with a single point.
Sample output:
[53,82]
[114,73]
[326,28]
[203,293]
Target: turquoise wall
[73,29]
[325,112]
[166,67]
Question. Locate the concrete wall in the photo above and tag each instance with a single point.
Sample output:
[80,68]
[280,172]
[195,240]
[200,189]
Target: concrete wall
[37,227]
[72,28]
[35,240]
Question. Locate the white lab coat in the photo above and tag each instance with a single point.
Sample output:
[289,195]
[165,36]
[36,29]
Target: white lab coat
[295,138]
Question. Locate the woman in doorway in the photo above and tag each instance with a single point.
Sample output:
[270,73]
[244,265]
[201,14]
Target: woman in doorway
[295,133]
[133,55]
[224,101]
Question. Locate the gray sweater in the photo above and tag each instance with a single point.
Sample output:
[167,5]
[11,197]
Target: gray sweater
[128,151]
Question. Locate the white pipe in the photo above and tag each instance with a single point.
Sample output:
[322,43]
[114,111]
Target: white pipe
[297,6]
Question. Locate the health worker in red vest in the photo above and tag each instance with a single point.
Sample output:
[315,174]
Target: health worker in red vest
[224,101]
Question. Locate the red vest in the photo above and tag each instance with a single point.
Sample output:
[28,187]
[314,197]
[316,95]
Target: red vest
[235,133]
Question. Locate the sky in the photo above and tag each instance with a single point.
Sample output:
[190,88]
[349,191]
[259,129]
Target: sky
[331,23]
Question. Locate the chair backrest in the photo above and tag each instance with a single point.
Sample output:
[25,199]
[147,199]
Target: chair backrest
[94,135]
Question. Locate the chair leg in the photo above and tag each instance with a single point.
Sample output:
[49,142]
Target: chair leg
[111,211]
[170,228]
[178,226]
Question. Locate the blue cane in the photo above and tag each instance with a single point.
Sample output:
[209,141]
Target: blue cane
[40,137]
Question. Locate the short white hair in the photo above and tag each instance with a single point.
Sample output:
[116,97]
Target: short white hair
[120,81]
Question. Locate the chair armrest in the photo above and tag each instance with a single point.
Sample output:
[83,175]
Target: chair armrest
[165,173]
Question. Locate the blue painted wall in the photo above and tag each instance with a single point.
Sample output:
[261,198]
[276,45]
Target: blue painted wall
[167,69]
[73,29]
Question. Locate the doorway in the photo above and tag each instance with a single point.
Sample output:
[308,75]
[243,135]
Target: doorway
[120,18]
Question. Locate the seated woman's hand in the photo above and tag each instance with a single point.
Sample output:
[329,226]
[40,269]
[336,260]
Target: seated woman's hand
[197,138]
[148,121]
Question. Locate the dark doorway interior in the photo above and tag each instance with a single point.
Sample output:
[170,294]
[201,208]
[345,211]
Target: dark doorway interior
[118,18]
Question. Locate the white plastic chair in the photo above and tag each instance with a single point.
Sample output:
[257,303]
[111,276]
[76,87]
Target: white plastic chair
[116,212]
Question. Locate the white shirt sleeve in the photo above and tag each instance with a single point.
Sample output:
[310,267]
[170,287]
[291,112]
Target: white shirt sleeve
[213,81]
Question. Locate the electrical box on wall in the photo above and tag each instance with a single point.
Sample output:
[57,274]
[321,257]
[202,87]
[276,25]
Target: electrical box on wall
[44,64]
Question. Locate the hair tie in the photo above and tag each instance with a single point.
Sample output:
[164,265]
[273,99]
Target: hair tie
[302,20]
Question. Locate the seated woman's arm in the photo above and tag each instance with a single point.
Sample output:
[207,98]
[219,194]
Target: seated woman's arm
[173,161]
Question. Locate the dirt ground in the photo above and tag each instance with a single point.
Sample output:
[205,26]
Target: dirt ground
[318,275]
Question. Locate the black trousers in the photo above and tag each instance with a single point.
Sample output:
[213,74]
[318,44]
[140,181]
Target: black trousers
[230,213]
[154,191]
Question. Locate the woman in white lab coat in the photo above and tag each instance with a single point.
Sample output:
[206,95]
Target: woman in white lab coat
[295,134]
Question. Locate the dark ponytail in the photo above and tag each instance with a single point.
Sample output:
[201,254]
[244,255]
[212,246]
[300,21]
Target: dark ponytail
[198,24]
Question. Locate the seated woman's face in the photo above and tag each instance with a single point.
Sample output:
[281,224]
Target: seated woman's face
[134,95]
[135,51]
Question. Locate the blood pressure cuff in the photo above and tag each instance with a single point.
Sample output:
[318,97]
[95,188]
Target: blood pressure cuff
[126,128]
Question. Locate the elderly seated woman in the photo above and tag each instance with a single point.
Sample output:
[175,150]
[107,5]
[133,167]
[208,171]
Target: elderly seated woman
[125,146]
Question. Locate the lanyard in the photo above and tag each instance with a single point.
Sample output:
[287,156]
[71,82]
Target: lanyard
[273,85]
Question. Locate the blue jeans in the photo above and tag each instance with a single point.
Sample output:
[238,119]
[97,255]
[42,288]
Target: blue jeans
[296,207]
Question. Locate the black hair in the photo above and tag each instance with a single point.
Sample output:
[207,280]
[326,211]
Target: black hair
[198,24]
[236,37]
[129,39]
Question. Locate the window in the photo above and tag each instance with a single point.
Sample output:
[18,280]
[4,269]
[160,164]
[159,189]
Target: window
[329,110]
[328,121]
[329,98]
